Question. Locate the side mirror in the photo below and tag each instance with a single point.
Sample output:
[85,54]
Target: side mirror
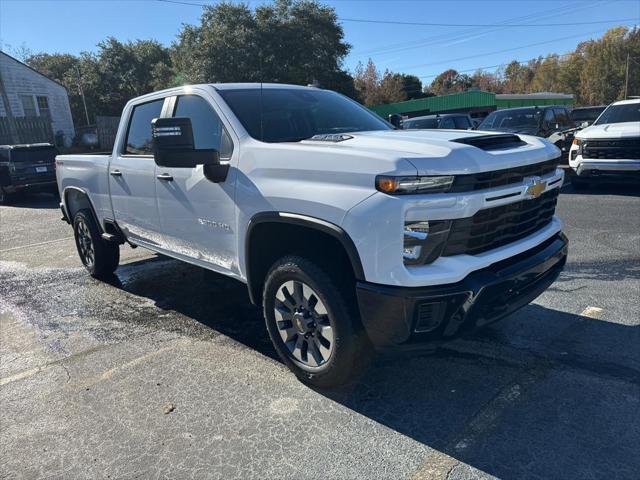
[584,124]
[395,120]
[173,144]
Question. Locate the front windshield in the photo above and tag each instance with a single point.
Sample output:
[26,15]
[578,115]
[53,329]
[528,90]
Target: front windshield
[292,114]
[421,123]
[629,112]
[511,120]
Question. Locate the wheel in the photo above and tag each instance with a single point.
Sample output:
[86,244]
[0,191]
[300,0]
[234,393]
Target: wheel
[310,322]
[99,257]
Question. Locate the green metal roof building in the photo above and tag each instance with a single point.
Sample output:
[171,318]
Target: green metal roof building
[474,102]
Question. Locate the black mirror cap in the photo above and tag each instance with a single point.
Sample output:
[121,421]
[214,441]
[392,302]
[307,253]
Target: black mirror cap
[173,144]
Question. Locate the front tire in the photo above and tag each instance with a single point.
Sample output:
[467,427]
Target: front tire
[311,322]
[98,256]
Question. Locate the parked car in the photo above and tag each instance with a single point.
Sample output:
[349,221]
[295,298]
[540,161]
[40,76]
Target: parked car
[347,232]
[610,148]
[551,122]
[27,168]
[454,121]
[585,116]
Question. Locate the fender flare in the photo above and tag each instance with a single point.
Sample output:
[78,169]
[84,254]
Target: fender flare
[65,207]
[304,221]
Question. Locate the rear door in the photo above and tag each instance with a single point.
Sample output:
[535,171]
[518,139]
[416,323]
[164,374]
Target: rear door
[132,181]
[196,214]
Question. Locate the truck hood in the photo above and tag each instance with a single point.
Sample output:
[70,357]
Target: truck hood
[434,152]
[610,130]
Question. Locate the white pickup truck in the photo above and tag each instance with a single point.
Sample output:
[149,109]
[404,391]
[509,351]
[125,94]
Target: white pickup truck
[348,232]
[610,148]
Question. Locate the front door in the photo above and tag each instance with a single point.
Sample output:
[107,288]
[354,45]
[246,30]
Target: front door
[197,215]
[132,180]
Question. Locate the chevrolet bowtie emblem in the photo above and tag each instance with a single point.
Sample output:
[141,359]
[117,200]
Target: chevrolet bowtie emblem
[535,187]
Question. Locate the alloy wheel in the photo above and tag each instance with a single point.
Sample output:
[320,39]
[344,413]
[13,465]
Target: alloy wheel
[85,244]
[303,324]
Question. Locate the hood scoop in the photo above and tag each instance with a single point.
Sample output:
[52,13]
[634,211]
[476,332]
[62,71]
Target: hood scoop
[492,142]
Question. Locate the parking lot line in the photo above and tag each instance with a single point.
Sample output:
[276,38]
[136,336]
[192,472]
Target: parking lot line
[35,244]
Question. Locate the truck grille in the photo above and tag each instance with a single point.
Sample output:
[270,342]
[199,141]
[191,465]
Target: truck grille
[628,148]
[494,227]
[499,178]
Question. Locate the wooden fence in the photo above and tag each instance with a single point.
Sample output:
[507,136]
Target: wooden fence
[107,127]
[29,130]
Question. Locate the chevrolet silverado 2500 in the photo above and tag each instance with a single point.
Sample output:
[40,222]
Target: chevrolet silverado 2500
[348,232]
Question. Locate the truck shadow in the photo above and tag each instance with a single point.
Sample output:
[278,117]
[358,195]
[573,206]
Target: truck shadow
[542,394]
[34,200]
[603,188]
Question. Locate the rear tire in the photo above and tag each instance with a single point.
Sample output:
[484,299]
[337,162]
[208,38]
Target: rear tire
[98,256]
[311,322]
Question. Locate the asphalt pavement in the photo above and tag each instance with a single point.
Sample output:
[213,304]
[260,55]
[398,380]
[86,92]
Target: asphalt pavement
[167,372]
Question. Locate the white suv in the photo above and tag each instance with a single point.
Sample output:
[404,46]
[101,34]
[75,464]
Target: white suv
[610,148]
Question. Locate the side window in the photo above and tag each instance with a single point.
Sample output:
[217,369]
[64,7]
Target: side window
[563,118]
[208,130]
[549,121]
[139,133]
[462,123]
[447,123]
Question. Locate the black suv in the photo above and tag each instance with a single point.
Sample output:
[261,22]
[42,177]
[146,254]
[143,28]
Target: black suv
[551,122]
[585,116]
[27,167]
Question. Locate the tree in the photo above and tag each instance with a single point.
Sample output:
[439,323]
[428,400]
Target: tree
[288,41]
[110,77]
[450,81]
[411,85]
[392,88]
[545,77]
[374,89]
[487,82]
[602,78]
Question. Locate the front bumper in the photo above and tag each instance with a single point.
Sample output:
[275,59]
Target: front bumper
[405,316]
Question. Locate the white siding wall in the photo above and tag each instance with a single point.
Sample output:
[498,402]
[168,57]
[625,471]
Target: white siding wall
[21,80]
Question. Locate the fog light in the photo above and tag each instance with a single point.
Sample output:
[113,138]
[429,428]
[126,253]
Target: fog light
[424,241]
[411,253]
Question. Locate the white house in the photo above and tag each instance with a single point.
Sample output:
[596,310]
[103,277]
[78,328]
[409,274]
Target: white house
[35,100]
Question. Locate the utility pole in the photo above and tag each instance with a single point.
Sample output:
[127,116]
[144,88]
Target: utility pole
[84,102]
[626,79]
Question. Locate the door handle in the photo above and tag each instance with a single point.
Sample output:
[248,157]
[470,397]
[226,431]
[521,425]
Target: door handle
[115,173]
[165,177]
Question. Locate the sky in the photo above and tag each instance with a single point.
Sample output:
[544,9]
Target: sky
[72,26]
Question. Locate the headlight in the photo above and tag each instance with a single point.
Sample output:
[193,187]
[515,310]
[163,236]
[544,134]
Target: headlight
[405,185]
[424,241]
[578,143]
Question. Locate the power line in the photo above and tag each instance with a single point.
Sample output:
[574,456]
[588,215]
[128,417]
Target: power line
[426,24]
[499,51]
[455,36]
[498,65]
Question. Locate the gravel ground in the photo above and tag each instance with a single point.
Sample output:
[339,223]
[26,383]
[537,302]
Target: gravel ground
[167,372]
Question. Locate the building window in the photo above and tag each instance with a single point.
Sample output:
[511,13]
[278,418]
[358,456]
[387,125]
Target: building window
[28,106]
[43,106]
